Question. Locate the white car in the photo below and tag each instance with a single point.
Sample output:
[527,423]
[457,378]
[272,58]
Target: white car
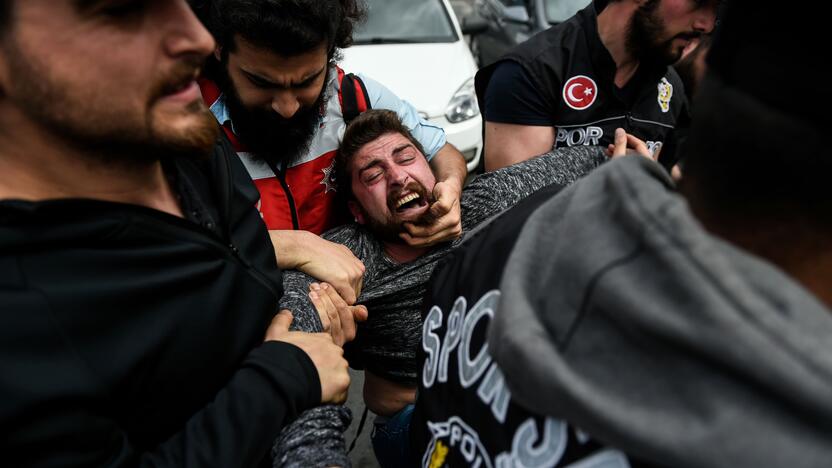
[416,49]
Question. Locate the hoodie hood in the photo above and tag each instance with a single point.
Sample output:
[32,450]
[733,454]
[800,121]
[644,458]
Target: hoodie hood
[622,315]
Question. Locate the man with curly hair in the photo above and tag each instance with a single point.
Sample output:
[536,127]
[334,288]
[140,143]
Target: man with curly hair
[277,91]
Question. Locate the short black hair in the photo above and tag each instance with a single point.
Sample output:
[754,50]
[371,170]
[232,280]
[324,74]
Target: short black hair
[285,27]
[364,129]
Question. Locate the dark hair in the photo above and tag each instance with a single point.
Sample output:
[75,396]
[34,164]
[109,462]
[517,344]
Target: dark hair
[286,27]
[5,15]
[755,149]
[366,128]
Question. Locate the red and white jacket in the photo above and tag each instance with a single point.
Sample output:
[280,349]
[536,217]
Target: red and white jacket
[303,196]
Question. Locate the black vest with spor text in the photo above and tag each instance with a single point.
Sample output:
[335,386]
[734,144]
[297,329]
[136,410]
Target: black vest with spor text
[574,74]
[465,415]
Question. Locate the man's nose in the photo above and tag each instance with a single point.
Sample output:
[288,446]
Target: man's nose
[286,104]
[187,35]
[397,176]
[705,20]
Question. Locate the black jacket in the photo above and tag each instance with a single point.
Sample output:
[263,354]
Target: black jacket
[129,337]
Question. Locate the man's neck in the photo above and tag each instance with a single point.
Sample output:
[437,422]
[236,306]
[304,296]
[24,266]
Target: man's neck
[400,252]
[37,166]
[613,24]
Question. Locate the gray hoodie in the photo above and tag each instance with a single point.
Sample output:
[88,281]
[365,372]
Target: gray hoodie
[636,325]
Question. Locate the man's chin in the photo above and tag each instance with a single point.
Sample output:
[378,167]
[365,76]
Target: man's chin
[190,132]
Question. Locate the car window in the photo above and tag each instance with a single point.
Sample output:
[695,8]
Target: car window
[558,11]
[509,3]
[397,21]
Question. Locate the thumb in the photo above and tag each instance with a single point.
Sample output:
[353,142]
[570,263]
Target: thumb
[620,143]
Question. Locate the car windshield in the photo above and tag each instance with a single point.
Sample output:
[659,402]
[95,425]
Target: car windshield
[405,21]
[558,11]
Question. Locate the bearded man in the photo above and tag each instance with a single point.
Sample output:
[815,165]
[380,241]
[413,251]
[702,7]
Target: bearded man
[276,89]
[607,67]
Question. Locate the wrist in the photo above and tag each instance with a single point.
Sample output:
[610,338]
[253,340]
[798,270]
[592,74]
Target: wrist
[288,246]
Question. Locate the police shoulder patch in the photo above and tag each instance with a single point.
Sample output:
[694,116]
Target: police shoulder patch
[665,94]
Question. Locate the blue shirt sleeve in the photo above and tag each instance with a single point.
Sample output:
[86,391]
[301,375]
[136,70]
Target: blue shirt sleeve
[431,136]
[512,98]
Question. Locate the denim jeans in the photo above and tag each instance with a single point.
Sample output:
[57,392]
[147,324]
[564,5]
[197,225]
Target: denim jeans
[391,439]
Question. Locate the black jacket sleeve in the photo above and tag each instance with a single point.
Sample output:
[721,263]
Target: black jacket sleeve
[55,411]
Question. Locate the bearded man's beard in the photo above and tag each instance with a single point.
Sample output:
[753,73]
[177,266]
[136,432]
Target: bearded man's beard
[645,36]
[388,229]
[267,135]
[82,117]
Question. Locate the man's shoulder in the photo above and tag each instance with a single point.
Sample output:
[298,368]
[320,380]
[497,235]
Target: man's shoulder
[556,44]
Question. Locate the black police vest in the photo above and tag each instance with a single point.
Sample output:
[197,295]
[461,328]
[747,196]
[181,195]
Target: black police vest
[574,74]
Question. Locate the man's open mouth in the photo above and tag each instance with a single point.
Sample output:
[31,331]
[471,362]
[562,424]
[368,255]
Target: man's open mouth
[411,200]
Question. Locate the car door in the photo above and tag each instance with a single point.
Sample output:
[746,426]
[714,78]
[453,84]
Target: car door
[506,28]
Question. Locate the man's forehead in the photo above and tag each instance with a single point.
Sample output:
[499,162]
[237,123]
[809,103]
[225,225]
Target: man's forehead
[266,61]
[384,146]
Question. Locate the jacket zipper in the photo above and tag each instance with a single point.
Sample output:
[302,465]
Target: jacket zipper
[281,177]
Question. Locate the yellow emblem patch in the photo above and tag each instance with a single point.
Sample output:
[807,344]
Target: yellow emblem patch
[665,94]
[437,458]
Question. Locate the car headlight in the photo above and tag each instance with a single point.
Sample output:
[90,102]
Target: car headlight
[463,105]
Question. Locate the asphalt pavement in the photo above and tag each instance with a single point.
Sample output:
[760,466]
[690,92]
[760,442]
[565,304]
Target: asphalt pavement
[362,455]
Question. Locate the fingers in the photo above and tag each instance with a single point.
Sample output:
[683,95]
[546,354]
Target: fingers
[343,315]
[335,264]
[626,144]
[676,173]
[444,200]
[347,290]
[330,309]
[360,313]
[446,228]
[637,145]
[279,326]
[328,359]
[619,146]
[320,306]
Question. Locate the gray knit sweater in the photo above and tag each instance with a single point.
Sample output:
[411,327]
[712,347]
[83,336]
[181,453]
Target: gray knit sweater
[387,342]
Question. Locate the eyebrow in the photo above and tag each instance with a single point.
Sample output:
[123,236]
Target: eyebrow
[369,165]
[376,162]
[303,83]
[401,148]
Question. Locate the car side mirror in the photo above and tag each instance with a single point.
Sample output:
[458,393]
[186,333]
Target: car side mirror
[516,14]
[474,24]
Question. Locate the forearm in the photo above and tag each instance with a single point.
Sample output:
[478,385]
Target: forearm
[448,166]
[288,246]
[508,144]
[492,192]
[273,384]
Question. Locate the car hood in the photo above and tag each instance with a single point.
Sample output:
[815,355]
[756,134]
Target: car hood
[426,75]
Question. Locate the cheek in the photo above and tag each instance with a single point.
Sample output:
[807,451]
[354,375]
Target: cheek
[373,198]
